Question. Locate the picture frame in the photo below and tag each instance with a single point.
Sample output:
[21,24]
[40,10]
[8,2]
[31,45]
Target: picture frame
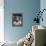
[17,19]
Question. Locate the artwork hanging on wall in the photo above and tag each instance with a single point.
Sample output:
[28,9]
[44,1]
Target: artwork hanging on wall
[17,19]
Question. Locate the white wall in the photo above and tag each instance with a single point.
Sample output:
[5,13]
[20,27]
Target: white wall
[1,20]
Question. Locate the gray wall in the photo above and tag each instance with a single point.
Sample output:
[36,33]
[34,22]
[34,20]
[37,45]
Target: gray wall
[28,9]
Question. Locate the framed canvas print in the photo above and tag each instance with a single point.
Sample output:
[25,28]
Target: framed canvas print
[17,19]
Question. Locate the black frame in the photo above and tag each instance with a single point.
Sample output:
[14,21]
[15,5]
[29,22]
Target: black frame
[14,19]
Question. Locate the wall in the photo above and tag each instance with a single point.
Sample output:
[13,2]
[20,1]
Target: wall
[1,20]
[43,6]
[28,9]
